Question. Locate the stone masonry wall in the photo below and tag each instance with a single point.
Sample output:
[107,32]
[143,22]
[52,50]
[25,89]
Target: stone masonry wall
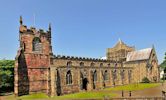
[60,65]
[32,67]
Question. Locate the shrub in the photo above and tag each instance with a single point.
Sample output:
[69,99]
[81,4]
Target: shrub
[145,80]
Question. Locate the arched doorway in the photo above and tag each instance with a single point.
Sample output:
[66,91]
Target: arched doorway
[83,80]
[84,83]
[58,84]
[94,78]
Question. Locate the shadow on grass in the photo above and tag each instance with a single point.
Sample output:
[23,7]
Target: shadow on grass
[5,91]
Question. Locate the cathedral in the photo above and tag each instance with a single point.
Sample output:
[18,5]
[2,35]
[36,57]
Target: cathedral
[37,69]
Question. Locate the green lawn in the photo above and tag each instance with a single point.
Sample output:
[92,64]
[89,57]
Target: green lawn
[84,95]
[92,94]
[133,87]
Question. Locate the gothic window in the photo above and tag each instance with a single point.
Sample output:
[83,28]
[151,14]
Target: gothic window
[114,74]
[109,65]
[101,64]
[95,76]
[116,65]
[122,74]
[106,76]
[92,64]
[37,46]
[153,56]
[81,64]
[129,75]
[68,77]
[69,64]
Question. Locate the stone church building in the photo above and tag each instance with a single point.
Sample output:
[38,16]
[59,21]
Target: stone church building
[37,69]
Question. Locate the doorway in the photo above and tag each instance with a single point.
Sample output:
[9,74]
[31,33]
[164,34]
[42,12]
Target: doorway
[84,83]
[58,84]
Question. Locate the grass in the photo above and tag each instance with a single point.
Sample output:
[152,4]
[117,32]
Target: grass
[133,87]
[27,97]
[89,95]
[34,96]
[83,95]
[80,95]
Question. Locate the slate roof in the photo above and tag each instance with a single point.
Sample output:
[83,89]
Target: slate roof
[143,54]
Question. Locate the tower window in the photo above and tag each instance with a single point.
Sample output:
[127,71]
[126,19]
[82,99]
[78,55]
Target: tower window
[37,46]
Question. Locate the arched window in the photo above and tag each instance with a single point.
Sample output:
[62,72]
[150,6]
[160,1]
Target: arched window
[81,64]
[114,74]
[122,74]
[95,76]
[68,77]
[116,65]
[109,65]
[153,56]
[69,64]
[101,64]
[129,75]
[106,77]
[92,64]
[36,44]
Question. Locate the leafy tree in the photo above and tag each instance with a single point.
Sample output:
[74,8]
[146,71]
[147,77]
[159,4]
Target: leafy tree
[163,64]
[6,75]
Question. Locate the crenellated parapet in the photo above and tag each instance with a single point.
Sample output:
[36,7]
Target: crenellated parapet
[35,32]
[82,58]
[32,30]
[28,36]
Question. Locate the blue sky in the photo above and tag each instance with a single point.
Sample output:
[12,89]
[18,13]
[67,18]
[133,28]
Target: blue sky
[86,27]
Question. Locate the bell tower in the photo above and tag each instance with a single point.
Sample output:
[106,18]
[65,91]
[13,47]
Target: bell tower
[32,62]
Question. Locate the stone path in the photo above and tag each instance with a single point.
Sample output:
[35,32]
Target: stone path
[150,92]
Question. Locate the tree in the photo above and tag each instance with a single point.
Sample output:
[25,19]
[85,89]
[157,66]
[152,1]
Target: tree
[163,64]
[6,75]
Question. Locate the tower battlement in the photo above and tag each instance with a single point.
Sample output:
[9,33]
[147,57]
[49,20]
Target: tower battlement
[32,30]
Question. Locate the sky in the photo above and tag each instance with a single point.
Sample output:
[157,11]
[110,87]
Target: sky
[86,27]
